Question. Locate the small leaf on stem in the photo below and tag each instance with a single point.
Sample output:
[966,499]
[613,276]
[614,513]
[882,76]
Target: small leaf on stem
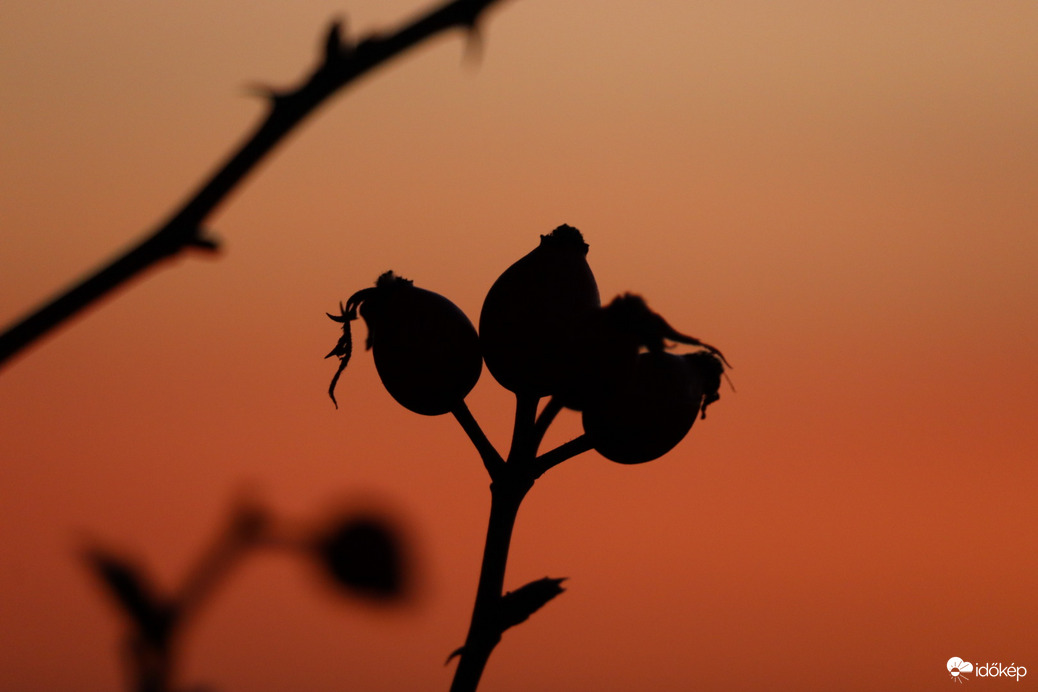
[518,605]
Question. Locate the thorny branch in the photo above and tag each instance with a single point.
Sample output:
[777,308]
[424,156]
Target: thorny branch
[342,61]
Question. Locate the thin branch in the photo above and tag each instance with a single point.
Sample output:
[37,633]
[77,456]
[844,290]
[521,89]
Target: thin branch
[247,529]
[485,627]
[491,458]
[567,450]
[523,444]
[341,63]
[511,481]
[544,420]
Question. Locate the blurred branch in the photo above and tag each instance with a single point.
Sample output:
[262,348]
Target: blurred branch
[156,621]
[362,553]
[342,61]
[247,529]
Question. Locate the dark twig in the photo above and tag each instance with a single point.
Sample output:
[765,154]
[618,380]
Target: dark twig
[491,458]
[341,63]
[567,450]
[523,446]
[544,420]
[155,620]
[248,529]
[511,481]
[486,627]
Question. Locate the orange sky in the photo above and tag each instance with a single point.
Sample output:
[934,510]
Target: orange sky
[839,195]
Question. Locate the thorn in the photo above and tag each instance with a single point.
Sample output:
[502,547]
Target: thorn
[473,54]
[457,652]
[205,240]
[335,43]
[265,92]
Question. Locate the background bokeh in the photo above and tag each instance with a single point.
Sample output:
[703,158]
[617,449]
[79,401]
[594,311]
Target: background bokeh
[842,196]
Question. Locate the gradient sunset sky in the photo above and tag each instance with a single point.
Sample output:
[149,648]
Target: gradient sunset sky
[842,196]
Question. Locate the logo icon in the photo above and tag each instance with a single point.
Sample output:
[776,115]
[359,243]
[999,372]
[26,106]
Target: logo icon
[957,667]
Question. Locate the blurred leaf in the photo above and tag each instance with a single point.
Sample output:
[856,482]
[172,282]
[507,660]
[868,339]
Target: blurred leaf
[133,593]
[518,605]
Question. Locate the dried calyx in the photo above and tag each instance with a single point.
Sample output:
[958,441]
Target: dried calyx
[638,399]
[630,316]
[612,340]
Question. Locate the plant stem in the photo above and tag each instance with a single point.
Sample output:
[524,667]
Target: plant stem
[567,450]
[506,494]
[523,446]
[544,420]
[510,481]
[150,668]
[491,459]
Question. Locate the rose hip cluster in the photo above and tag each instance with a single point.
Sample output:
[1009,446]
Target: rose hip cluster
[542,332]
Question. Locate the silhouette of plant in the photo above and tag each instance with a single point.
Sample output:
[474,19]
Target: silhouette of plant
[542,333]
[361,554]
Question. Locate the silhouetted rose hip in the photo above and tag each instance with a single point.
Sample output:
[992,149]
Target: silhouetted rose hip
[652,410]
[535,313]
[426,350]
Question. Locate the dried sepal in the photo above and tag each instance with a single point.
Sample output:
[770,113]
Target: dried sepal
[426,350]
